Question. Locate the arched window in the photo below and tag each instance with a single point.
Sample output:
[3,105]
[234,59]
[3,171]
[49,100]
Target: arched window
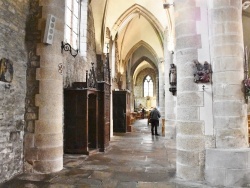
[72,22]
[148,87]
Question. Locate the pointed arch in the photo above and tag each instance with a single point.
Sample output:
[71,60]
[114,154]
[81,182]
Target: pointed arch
[138,45]
[133,11]
[143,58]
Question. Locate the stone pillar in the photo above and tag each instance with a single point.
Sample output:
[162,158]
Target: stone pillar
[170,102]
[161,89]
[228,163]
[44,148]
[189,128]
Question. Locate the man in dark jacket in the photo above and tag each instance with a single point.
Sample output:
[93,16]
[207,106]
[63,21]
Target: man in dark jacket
[154,120]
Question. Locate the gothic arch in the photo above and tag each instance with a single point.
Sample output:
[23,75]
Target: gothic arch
[139,44]
[143,58]
[135,10]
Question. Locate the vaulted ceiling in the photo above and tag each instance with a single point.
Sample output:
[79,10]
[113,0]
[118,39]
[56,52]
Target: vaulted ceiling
[133,21]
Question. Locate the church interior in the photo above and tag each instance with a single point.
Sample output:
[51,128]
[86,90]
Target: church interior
[78,76]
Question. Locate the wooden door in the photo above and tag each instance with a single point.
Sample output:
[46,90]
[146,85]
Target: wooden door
[75,121]
[92,122]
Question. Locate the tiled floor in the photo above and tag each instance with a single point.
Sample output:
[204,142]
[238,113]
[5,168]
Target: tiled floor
[135,159]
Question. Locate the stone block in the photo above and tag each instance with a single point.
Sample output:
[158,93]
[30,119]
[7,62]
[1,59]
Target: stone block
[217,28]
[47,73]
[190,127]
[48,126]
[234,50]
[227,158]
[189,158]
[48,140]
[30,116]
[30,154]
[236,4]
[186,84]
[190,99]
[233,27]
[51,86]
[215,176]
[29,140]
[48,166]
[51,153]
[186,69]
[238,178]
[224,64]
[185,55]
[186,29]
[49,99]
[228,122]
[229,108]
[226,39]
[228,91]
[51,112]
[193,142]
[184,42]
[187,113]
[51,61]
[229,14]
[189,172]
[209,141]
[227,167]
[221,3]
[186,14]
[231,138]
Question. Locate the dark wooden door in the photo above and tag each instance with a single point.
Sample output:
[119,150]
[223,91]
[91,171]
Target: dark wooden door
[119,111]
[92,122]
[75,123]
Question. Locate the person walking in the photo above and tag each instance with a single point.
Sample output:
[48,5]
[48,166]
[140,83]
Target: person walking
[154,120]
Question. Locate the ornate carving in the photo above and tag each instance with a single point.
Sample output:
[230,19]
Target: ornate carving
[6,70]
[60,68]
[106,70]
[91,78]
[202,72]
[245,5]
[172,79]
[247,79]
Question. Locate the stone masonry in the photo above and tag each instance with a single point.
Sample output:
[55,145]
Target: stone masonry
[13,16]
[190,143]
[228,163]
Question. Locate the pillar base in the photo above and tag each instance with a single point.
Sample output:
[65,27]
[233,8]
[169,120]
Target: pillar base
[228,167]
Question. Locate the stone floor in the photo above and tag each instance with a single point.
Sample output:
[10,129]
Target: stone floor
[133,160]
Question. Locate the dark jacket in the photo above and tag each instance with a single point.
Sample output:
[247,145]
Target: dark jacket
[155,114]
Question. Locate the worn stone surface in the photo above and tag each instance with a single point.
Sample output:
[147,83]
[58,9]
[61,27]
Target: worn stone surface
[13,18]
[228,167]
[136,159]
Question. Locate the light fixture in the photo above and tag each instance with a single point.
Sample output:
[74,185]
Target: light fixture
[167,5]
[67,47]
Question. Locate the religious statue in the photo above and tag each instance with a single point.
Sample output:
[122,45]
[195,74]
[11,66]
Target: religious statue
[172,78]
[6,70]
[202,72]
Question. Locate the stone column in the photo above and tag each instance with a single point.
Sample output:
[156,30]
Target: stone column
[44,148]
[189,128]
[170,104]
[228,163]
[161,89]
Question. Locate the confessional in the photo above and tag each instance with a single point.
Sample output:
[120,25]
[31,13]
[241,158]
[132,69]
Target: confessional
[86,114]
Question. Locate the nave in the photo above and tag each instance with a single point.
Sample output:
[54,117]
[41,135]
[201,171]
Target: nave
[135,159]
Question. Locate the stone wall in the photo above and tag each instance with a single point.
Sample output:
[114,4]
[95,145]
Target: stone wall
[12,95]
[138,88]
[75,68]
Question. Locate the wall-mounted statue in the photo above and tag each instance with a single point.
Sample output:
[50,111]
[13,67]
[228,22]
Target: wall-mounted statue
[172,78]
[6,70]
[202,72]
